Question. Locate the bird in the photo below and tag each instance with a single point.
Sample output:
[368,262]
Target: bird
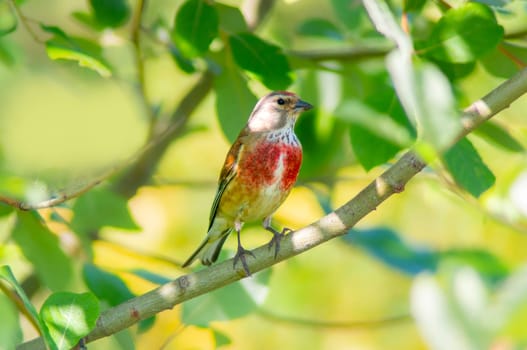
[258,174]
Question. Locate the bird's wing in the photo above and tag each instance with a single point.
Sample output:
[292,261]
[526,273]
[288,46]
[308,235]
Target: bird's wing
[228,172]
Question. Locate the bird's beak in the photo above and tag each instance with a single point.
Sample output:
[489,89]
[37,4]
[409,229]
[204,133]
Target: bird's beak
[302,105]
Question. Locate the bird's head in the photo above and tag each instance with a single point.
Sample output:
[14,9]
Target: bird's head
[276,110]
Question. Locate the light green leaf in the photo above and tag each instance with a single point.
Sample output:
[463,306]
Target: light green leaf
[6,275]
[69,317]
[231,18]
[231,86]
[464,34]
[99,208]
[86,53]
[42,248]
[195,26]
[230,302]
[467,168]
[370,149]
[8,21]
[220,338]
[10,332]
[266,61]
[349,12]
[499,136]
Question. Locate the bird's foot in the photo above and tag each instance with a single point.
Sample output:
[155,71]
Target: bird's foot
[240,256]
[277,238]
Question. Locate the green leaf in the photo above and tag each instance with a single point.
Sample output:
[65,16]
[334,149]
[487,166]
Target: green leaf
[69,317]
[99,208]
[231,86]
[387,246]
[7,275]
[413,5]
[7,54]
[105,285]
[182,62]
[220,338]
[499,136]
[86,53]
[5,209]
[370,149]
[231,18]
[8,21]
[150,276]
[349,12]
[464,34]
[10,332]
[318,27]
[486,264]
[266,61]
[230,302]
[110,13]
[195,26]
[499,64]
[42,248]
[468,170]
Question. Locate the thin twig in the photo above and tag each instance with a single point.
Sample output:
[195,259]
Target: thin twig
[24,20]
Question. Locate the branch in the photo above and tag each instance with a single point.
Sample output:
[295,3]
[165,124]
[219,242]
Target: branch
[355,53]
[333,225]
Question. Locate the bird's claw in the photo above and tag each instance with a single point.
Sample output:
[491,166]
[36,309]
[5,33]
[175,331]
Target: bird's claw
[240,256]
[277,238]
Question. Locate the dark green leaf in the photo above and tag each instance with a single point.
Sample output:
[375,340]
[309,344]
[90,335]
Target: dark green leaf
[69,317]
[413,5]
[110,13]
[101,207]
[231,18]
[10,332]
[467,168]
[349,12]
[42,249]
[485,263]
[464,34]
[370,149]
[231,86]
[196,25]
[266,61]
[105,285]
[86,53]
[232,301]
[146,324]
[499,136]
[182,62]
[5,209]
[387,246]
[8,21]
[319,27]
[6,275]
[455,71]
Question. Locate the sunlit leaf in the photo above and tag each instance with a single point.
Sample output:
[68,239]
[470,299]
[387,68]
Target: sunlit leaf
[86,53]
[230,302]
[69,317]
[231,86]
[467,168]
[99,208]
[8,21]
[195,26]
[105,285]
[464,34]
[264,60]
[318,27]
[42,248]
[110,13]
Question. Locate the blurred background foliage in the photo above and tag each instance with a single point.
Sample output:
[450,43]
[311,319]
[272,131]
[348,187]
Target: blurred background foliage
[146,97]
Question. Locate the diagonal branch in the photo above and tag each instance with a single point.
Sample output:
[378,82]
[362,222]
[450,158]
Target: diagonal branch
[333,225]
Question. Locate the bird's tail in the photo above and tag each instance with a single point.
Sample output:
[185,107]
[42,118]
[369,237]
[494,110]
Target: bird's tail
[209,250]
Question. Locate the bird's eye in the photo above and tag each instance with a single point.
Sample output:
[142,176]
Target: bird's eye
[280,101]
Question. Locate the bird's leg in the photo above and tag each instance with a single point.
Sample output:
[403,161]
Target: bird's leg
[241,251]
[277,236]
